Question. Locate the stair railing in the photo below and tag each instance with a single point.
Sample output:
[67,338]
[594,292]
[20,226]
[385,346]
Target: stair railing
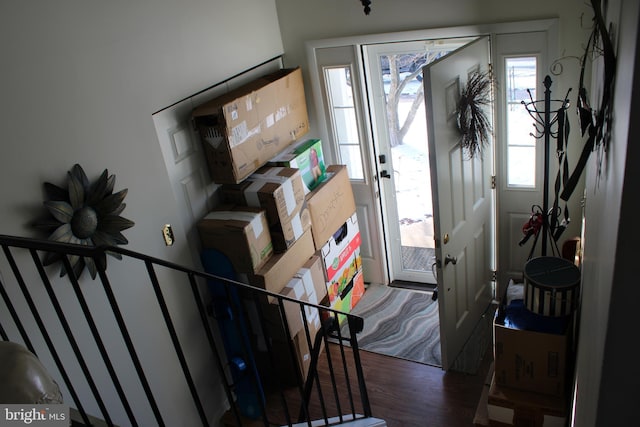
[79,329]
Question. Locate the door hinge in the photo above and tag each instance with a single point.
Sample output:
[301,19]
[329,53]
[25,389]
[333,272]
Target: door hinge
[493,182]
[494,275]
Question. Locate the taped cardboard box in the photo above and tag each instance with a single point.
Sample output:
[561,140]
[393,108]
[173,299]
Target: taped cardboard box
[246,127]
[306,156]
[280,268]
[510,407]
[313,276]
[242,235]
[330,204]
[532,360]
[279,191]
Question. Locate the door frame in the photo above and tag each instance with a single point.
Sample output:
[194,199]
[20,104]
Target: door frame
[550,26]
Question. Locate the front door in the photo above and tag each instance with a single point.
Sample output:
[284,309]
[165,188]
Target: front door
[462,198]
[396,95]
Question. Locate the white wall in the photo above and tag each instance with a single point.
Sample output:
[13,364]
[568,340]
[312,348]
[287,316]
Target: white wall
[80,81]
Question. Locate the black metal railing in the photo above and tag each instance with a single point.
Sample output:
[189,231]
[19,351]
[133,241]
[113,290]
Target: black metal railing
[100,338]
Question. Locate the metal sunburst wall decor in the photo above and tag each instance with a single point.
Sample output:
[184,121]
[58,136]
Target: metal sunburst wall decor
[84,213]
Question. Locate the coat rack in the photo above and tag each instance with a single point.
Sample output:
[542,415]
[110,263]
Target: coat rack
[549,123]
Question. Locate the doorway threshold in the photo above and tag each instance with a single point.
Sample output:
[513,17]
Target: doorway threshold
[415,286]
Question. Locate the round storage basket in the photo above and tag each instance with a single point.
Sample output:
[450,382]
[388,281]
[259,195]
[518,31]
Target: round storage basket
[551,286]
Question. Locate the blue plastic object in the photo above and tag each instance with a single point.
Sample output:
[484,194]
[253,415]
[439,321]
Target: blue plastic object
[235,334]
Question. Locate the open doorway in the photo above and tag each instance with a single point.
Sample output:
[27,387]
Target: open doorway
[393,72]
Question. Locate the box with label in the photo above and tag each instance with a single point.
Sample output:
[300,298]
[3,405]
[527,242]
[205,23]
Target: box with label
[531,360]
[330,204]
[308,158]
[279,191]
[281,267]
[242,235]
[312,275]
[342,263]
[510,407]
[246,127]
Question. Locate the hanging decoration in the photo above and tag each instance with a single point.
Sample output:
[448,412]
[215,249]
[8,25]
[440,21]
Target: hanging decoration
[473,122]
[366,4]
[594,122]
[87,214]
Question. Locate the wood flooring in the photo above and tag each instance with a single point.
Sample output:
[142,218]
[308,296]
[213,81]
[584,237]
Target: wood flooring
[403,393]
[408,394]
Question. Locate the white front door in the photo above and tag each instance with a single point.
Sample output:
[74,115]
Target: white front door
[463,200]
[396,95]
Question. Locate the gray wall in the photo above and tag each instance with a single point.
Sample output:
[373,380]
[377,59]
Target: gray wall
[80,81]
[608,372]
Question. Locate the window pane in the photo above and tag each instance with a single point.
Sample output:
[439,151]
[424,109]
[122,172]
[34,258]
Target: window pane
[522,166]
[521,153]
[344,122]
[350,155]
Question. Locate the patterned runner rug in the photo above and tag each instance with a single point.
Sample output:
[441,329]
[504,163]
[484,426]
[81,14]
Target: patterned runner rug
[400,323]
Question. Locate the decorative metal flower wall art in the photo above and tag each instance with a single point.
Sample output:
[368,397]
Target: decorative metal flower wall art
[473,122]
[84,213]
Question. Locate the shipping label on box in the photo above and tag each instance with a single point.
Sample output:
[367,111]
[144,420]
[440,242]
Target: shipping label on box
[242,236]
[246,127]
[306,156]
[330,204]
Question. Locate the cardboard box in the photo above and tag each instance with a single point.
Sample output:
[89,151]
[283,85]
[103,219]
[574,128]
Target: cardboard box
[246,127]
[531,360]
[330,204]
[242,235]
[286,234]
[294,289]
[279,191]
[306,156]
[342,263]
[510,407]
[280,268]
[313,276]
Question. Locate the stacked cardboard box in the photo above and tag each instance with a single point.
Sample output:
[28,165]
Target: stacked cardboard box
[280,192]
[243,129]
[533,359]
[288,224]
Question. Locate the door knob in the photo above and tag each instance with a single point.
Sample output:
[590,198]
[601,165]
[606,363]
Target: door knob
[385,174]
[450,259]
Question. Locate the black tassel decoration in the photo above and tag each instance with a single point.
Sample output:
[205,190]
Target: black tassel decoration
[366,4]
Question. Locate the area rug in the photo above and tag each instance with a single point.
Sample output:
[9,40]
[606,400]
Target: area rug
[400,323]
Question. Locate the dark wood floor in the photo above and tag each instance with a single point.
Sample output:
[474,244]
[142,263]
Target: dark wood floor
[403,393]
[407,394]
